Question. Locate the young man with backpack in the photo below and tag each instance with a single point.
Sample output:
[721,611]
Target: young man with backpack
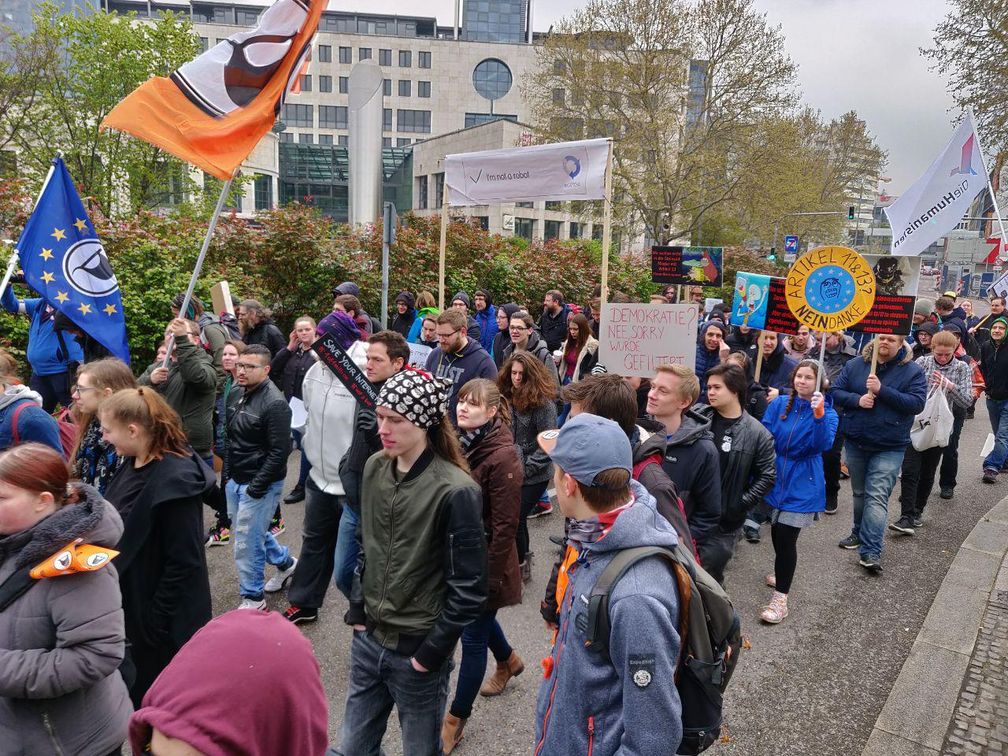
[625,701]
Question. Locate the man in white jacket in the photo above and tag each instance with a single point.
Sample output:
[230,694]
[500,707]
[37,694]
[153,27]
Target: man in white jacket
[327,436]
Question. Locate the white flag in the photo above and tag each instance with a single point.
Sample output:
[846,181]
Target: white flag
[938,201]
[563,171]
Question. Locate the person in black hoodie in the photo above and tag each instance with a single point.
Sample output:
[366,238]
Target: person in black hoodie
[349,287]
[838,353]
[994,366]
[458,357]
[922,338]
[503,338]
[406,314]
[742,339]
[756,395]
[159,493]
[553,323]
[258,328]
[288,369]
[775,373]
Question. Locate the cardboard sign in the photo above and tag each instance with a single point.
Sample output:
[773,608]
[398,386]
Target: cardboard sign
[830,288]
[634,339]
[346,370]
[418,354]
[220,295]
[896,283]
[760,303]
[696,266]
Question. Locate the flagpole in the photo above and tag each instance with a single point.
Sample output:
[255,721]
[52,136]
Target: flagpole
[11,264]
[441,253]
[607,224]
[15,253]
[990,188]
[199,262]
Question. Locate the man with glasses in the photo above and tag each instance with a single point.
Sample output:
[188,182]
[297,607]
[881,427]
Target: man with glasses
[188,384]
[457,357]
[258,428]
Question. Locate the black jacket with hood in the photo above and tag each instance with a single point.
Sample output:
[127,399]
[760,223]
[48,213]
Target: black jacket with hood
[994,365]
[554,328]
[403,323]
[268,335]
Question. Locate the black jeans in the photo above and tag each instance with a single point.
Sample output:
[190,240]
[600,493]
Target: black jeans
[717,551]
[54,389]
[950,456]
[530,494]
[917,479]
[831,466]
[318,548]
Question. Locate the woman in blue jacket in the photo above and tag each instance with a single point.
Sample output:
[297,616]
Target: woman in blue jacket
[803,425]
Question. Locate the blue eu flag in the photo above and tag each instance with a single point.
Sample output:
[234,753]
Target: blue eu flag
[63,259]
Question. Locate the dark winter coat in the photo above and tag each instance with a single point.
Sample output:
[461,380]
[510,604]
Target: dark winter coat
[751,470]
[527,426]
[258,430]
[288,370]
[460,368]
[742,342]
[266,334]
[706,358]
[498,471]
[648,456]
[756,400]
[554,328]
[994,366]
[162,563]
[191,390]
[63,641]
[886,426]
[404,323]
[777,368]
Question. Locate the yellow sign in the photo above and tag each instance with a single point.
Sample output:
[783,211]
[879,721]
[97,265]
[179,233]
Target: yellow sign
[830,288]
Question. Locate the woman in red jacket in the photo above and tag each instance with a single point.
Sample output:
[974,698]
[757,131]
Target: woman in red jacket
[484,431]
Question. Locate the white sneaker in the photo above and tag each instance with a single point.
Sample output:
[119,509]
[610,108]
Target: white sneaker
[247,603]
[279,581]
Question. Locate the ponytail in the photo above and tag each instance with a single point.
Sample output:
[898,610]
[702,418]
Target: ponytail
[147,409]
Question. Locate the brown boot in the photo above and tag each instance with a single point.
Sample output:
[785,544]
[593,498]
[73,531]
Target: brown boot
[451,732]
[513,667]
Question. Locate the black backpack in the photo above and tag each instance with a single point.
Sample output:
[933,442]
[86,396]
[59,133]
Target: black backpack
[230,325]
[710,633]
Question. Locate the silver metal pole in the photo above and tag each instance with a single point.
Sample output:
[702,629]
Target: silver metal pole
[386,233]
[11,264]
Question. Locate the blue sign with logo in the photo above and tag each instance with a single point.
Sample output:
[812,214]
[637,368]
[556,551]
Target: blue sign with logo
[791,244]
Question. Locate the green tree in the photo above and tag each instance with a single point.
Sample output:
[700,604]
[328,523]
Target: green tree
[98,59]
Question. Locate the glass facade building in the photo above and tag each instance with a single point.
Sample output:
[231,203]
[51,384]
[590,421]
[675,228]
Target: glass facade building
[494,20]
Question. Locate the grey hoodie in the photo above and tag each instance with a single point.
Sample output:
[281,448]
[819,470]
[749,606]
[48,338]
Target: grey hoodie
[590,705]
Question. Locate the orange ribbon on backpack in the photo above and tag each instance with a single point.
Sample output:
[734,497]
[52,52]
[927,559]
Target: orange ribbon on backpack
[76,556]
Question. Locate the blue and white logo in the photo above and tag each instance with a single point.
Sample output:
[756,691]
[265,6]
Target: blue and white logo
[572,166]
[791,244]
[830,289]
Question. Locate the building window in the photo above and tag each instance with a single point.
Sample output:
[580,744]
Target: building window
[384,57]
[524,227]
[413,121]
[495,20]
[344,84]
[423,59]
[558,97]
[246,16]
[481,221]
[286,136]
[423,89]
[387,119]
[386,141]
[551,230]
[325,139]
[405,87]
[492,78]
[332,116]
[344,55]
[525,205]
[207,14]
[475,119]
[405,59]
[554,205]
[342,140]
[324,83]
[299,115]
[575,230]
[386,87]
[306,83]
[364,53]
[306,139]
[438,189]
[421,182]
[204,44]
[403,142]
[325,53]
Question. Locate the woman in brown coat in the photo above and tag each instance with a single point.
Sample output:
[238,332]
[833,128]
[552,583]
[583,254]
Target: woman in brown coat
[484,430]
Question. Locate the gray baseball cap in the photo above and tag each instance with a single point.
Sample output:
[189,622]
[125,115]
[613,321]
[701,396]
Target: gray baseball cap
[587,445]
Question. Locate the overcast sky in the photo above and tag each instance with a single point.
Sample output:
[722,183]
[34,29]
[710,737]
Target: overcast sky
[852,54]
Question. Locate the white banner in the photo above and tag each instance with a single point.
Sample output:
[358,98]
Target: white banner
[999,288]
[564,171]
[937,202]
[634,339]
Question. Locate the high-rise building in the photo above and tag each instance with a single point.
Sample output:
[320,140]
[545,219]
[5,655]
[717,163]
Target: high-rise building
[17,14]
[496,20]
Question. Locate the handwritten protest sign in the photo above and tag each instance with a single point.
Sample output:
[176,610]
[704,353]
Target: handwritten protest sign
[896,282]
[830,288]
[346,370]
[418,354]
[634,339]
[702,266]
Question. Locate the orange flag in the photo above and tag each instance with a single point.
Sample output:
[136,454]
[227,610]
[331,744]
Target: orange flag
[213,110]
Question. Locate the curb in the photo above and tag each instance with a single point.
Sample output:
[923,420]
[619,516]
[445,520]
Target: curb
[916,715]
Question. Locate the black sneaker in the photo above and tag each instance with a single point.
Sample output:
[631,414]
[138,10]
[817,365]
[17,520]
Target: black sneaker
[297,614]
[990,475]
[946,493]
[903,525]
[918,522]
[751,534]
[871,563]
[831,504]
[296,495]
[850,542]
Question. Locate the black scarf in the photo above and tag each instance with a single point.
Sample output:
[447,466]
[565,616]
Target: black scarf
[471,439]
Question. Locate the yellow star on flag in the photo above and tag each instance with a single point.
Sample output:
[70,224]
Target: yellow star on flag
[110,309]
[85,309]
[58,233]
[46,254]
[81,224]
[48,277]
[61,296]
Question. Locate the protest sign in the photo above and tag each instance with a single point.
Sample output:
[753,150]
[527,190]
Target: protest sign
[634,339]
[346,370]
[830,288]
[220,295]
[779,317]
[759,303]
[896,282]
[418,354]
[701,266]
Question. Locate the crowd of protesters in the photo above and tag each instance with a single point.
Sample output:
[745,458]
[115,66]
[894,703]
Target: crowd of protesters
[417,509]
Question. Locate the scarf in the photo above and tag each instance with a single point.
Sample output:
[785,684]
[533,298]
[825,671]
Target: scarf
[471,439]
[594,529]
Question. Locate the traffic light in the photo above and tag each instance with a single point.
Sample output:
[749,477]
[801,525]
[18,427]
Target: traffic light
[850,213]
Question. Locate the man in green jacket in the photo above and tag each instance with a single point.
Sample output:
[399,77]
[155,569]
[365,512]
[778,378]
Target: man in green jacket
[188,384]
[421,577]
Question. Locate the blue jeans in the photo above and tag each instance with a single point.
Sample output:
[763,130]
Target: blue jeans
[479,635]
[381,679]
[254,545]
[873,476]
[346,550]
[998,411]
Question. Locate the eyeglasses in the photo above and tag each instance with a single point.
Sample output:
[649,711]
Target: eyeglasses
[81,390]
[518,328]
[244,366]
[443,336]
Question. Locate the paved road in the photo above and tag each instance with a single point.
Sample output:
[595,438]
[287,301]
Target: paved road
[812,685]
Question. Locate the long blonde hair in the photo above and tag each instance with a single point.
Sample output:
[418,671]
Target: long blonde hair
[106,373]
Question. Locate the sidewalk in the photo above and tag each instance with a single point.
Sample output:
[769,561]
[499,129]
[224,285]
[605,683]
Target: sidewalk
[952,693]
